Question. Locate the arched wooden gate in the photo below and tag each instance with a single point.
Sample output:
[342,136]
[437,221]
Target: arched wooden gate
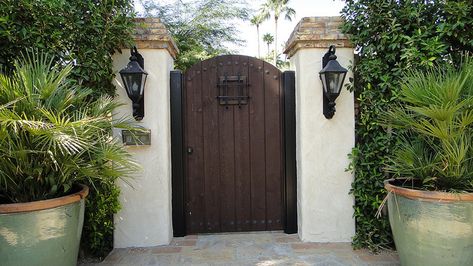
[233,148]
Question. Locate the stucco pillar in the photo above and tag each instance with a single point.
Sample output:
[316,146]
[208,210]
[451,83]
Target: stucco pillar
[145,217]
[325,208]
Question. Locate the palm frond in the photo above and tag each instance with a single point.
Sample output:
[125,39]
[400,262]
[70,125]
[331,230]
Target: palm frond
[434,123]
[52,135]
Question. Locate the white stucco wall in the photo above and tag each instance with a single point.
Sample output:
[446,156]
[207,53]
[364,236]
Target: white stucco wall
[145,218]
[325,208]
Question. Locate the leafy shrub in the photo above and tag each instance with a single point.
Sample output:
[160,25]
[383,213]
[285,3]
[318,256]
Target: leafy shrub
[98,224]
[86,33]
[392,36]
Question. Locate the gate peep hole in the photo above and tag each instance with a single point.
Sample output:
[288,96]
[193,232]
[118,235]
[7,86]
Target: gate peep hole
[233,90]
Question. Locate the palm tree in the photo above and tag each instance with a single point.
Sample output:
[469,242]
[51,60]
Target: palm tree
[276,8]
[268,39]
[256,21]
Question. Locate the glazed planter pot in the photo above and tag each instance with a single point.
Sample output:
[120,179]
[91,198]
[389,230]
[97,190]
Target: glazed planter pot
[43,232]
[431,228]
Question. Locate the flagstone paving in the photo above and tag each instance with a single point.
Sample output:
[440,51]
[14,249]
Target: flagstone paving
[261,249]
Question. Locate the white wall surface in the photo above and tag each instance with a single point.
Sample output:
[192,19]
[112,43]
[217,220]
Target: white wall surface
[145,218]
[325,208]
[325,212]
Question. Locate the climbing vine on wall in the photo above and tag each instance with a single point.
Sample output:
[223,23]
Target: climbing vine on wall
[391,37]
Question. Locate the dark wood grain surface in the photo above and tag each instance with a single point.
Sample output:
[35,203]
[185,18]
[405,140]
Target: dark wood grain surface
[234,161]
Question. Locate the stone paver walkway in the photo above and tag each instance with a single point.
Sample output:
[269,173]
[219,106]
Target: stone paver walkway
[261,249]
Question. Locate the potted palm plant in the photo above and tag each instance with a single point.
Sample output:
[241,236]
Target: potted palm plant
[430,199]
[53,138]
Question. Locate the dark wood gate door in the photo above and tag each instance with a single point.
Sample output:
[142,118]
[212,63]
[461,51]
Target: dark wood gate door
[233,136]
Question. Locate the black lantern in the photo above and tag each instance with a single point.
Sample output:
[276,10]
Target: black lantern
[332,76]
[134,80]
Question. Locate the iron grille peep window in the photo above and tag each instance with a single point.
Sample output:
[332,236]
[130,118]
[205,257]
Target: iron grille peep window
[233,90]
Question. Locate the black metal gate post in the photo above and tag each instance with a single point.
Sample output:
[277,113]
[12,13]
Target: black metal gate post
[290,193]
[177,149]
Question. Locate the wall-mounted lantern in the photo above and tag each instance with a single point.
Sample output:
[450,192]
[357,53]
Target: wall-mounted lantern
[332,76]
[134,80]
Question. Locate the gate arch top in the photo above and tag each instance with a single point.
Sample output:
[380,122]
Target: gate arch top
[221,60]
[226,71]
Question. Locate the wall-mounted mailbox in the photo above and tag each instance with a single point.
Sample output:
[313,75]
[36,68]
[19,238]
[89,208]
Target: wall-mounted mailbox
[136,137]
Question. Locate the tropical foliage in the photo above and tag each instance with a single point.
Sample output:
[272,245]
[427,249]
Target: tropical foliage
[99,226]
[51,136]
[256,20]
[434,122]
[85,32]
[392,37]
[202,29]
[268,39]
[276,9]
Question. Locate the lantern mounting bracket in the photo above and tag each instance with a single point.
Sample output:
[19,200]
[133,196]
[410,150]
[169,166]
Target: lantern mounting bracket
[329,55]
[137,56]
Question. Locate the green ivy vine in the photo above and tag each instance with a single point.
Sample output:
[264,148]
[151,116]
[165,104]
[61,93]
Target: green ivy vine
[391,37]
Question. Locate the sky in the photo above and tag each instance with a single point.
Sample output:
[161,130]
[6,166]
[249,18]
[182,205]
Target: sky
[303,8]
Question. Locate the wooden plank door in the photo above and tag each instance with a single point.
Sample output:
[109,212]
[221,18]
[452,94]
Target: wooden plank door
[233,137]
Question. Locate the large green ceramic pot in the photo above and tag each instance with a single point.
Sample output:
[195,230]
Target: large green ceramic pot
[42,233]
[431,228]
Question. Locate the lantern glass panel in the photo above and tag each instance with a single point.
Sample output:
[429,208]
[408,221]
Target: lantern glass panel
[134,84]
[335,82]
[143,83]
[324,82]
[332,76]
[332,82]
